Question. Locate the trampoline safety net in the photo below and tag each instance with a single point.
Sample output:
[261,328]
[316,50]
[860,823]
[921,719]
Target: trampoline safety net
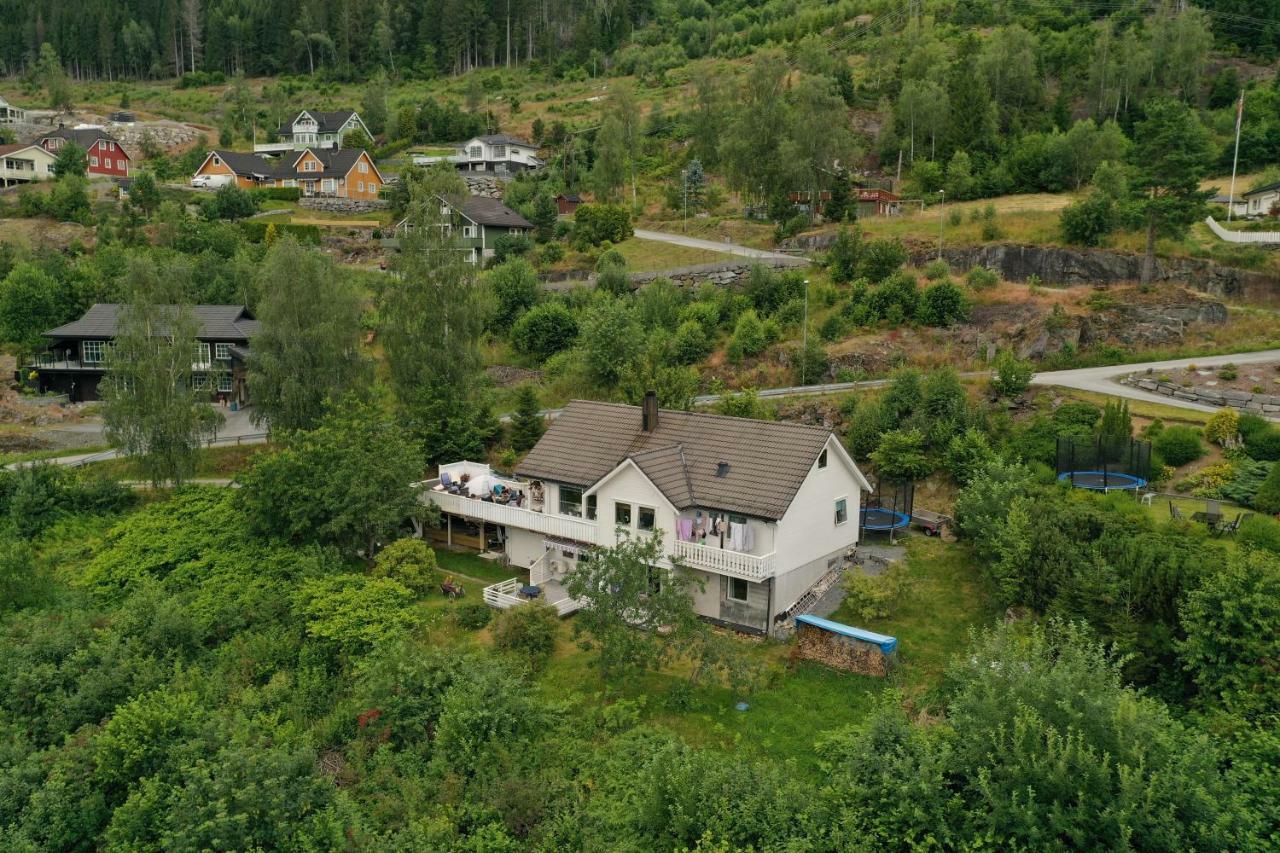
[889,506]
[1097,462]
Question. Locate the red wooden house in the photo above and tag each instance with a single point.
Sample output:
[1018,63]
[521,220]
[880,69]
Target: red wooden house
[106,155]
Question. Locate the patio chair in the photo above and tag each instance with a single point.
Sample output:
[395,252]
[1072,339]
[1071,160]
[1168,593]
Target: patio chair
[1175,513]
[1231,526]
[449,483]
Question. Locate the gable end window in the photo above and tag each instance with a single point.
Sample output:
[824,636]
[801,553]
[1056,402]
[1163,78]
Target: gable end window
[646,518]
[622,514]
[571,501]
[822,459]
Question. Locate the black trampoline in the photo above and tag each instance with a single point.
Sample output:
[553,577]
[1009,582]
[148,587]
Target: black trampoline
[888,508]
[879,518]
[1102,480]
[1103,464]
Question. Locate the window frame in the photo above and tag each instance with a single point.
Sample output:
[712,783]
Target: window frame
[591,506]
[746,590]
[225,383]
[841,508]
[618,512]
[100,346]
[561,504]
[653,519]
[822,459]
[222,352]
[203,353]
[200,380]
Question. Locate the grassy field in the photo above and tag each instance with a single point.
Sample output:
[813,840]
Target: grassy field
[651,255]
[212,463]
[798,701]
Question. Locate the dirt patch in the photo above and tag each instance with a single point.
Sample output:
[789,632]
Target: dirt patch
[506,375]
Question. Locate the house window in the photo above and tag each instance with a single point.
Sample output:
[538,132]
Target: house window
[222,352]
[224,381]
[373,188]
[111,145]
[106,164]
[328,185]
[571,501]
[738,589]
[444,210]
[842,511]
[201,354]
[622,514]
[216,161]
[200,381]
[822,459]
[93,351]
[474,151]
[468,231]
[591,507]
[645,518]
[364,167]
[499,151]
[93,161]
[360,186]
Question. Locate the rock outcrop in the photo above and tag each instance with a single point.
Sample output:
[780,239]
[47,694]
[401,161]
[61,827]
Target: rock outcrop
[1208,395]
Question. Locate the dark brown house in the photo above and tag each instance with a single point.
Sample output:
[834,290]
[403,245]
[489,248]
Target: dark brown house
[75,361]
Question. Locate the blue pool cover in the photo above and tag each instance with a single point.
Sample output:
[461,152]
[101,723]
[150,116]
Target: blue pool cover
[886,644]
[878,518]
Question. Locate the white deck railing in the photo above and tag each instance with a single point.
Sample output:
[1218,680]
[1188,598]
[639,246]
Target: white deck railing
[726,562]
[507,594]
[495,513]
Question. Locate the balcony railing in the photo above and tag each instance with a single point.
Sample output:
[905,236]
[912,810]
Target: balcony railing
[509,516]
[725,562]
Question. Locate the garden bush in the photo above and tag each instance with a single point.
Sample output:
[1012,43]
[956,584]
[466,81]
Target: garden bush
[1267,498]
[278,193]
[1223,427]
[256,232]
[409,561]
[1263,443]
[981,278]
[870,597]
[1178,445]
[473,615]
[544,330]
[529,631]
[943,304]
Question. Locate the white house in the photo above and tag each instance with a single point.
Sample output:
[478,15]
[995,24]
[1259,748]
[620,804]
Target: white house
[761,511]
[314,129]
[499,153]
[479,222]
[1263,200]
[1237,205]
[10,114]
[22,164]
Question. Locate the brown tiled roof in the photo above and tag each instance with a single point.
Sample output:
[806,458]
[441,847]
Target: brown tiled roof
[766,460]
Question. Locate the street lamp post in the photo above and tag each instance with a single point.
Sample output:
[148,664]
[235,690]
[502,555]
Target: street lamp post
[684,179]
[804,346]
[942,205]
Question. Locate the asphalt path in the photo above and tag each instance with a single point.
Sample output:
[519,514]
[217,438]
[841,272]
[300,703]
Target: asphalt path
[709,245]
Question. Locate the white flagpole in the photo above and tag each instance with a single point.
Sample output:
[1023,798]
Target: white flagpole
[1231,196]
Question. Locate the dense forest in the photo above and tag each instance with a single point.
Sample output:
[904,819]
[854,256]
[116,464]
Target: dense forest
[160,38]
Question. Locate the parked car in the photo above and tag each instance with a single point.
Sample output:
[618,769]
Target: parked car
[210,181]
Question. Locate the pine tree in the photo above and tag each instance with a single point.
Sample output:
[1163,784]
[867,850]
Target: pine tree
[527,424]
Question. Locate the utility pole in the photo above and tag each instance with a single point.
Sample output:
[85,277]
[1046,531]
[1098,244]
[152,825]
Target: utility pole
[804,346]
[942,205]
[1235,159]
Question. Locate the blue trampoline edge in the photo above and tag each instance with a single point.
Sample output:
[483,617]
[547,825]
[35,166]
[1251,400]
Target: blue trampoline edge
[1102,480]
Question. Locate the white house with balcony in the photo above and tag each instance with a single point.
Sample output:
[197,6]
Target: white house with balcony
[762,512]
[498,153]
[314,129]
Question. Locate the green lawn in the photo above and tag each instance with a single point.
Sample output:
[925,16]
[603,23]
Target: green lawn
[471,565]
[652,255]
[799,701]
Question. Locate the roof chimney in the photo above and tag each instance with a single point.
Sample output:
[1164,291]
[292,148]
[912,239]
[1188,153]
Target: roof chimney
[650,411]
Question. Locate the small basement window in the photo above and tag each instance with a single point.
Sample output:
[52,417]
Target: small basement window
[738,589]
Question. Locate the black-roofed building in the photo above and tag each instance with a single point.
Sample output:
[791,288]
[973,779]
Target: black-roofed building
[105,154]
[498,152]
[478,223]
[75,360]
[320,129]
[764,513]
[333,172]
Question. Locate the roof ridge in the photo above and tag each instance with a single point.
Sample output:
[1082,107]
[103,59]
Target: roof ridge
[688,481]
[717,415]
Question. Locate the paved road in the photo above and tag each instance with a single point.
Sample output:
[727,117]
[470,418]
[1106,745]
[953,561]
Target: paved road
[709,245]
[1102,379]
[78,459]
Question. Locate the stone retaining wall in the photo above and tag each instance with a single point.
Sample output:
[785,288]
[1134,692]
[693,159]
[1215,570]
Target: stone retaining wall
[486,186]
[342,205]
[724,273]
[1209,396]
